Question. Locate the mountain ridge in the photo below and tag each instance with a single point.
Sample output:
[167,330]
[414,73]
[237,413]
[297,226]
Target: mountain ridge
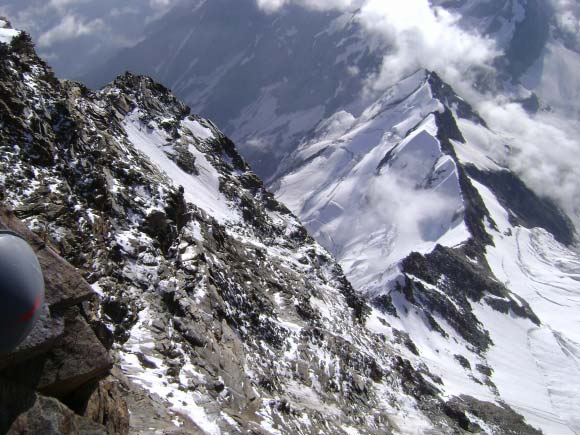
[223,314]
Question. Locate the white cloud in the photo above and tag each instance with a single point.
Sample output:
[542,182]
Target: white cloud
[567,20]
[419,36]
[543,151]
[62,4]
[160,5]
[120,12]
[70,27]
[422,36]
[274,5]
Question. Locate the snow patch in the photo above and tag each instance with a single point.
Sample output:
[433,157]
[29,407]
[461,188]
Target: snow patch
[201,132]
[201,190]
[7,35]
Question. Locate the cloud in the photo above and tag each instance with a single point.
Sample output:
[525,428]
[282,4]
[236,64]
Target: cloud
[70,27]
[567,20]
[123,11]
[543,150]
[423,36]
[63,4]
[417,34]
[161,5]
[320,5]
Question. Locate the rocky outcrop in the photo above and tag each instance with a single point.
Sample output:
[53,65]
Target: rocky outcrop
[49,416]
[62,355]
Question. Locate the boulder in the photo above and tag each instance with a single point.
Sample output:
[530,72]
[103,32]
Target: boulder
[48,416]
[65,287]
[78,358]
[46,331]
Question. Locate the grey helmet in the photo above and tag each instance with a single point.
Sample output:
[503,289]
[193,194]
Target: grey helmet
[21,290]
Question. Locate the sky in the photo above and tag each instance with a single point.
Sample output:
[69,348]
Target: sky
[72,35]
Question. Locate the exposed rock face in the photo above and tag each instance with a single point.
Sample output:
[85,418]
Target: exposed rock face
[223,314]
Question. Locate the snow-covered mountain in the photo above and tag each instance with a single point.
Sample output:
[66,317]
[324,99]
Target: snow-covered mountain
[448,246]
[223,314]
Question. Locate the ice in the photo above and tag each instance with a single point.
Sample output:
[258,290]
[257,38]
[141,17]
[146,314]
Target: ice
[517,370]
[379,192]
[546,274]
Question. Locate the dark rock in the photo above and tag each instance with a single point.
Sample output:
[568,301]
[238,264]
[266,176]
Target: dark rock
[115,309]
[476,213]
[48,416]
[145,361]
[445,93]
[458,416]
[404,338]
[158,227]
[14,400]
[484,369]
[463,361]
[77,359]
[189,333]
[106,406]
[502,418]
[526,208]
[385,304]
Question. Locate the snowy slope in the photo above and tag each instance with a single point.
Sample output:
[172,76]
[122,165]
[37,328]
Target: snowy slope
[545,274]
[201,188]
[381,188]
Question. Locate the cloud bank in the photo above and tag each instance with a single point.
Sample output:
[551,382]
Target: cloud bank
[418,35]
[543,148]
[70,27]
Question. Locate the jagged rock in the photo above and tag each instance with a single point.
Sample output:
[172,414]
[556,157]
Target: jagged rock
[107,407]
[50,417]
